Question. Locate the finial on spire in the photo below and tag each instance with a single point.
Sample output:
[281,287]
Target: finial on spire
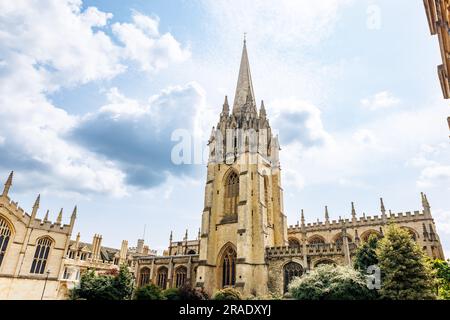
[35,207]
[171,236]
[199,234]
[245,37]
[225,107]
[74,212]
[383,209]
[59,218]
[8,184]
[262,110]
[37,201]
[353,211]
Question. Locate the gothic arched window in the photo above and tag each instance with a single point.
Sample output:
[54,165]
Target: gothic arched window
[229,268]
[231,194]
[162,277]
[5,234]
[41,255]
[316,240]
[180,277]
[291,270]
[144,277]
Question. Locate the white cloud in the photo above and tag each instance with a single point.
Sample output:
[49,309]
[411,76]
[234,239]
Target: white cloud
[45,46]
[289,22]
[146,46]
[435,175]
[380,100]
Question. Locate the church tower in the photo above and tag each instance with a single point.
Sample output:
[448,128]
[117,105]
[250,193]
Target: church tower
[243,207]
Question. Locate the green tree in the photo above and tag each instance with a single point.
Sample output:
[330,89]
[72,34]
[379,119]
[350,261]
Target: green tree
[171,294]
[149,292]
[442,273]
[405,272]
[366,254]
[327,282]
[109,286]
[123,283]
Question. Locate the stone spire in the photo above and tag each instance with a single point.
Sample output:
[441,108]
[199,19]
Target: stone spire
[262,111]
[46,216]
[353,212]
[244,89]
[59,218]
[35,207]
[225,107]
[425,203]
[303,219]
[327,216]
[383,210]
[73,217]
[8,184]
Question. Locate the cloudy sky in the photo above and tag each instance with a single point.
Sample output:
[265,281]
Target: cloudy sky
[91,91]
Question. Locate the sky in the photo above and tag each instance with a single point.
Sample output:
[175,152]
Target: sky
[91,92]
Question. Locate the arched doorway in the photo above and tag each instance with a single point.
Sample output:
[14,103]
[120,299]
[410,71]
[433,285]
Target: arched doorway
[290,271]
[228,265]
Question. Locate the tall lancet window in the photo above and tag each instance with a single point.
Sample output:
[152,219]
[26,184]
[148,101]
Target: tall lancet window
[231,194]
[229,268]
[41,255]
[5,234]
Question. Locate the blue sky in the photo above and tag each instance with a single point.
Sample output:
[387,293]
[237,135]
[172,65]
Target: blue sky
[91,91]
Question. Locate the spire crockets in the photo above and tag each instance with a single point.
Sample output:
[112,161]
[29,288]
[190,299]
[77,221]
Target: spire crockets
[244,89]
[8,184]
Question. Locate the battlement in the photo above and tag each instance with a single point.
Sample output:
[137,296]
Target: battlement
[364,220]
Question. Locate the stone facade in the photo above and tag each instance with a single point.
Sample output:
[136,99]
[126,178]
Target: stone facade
[39,261]
[244,241]
[438,14]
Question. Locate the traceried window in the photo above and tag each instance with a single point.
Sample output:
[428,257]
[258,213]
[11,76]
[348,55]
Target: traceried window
[229,268]
[231,194]
[162,277]
[180,277]
[294,243]
[41,255]
[144,277]
[291,270]
[5,234]
[316,240]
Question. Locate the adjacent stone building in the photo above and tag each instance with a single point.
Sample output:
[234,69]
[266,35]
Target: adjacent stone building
[38,259]
[438,14]
[244,241]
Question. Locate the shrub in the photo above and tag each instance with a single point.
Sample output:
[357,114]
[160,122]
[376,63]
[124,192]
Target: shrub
[227,294]
[149,292]
[187,292]
[171,294]
[328,282]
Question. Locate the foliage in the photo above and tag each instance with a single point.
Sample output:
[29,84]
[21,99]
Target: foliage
[227,294]
[366,255]
[405,273]
[442,274]
[327,282]
[187,292]
[149,292]
[171,294]
[123,283]
[104,286]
